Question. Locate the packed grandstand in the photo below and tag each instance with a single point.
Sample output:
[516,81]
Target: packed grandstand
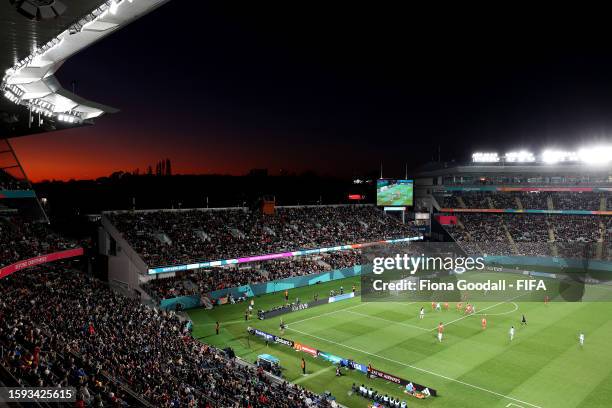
[180,237]
[56,328]
[142,355]
[106,315]
[61,327]
[22,238]
[557,230]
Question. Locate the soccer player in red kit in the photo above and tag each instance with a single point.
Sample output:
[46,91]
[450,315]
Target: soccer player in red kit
[468,309]
[446,306]
[484,322]
[440,331]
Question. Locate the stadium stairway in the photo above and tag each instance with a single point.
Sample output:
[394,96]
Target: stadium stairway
[552,239]
[603,203]
[236,233]
[549,202]
[462,226]
[434,202]
[510,240]
[163,238]
[490,202]
[461,202]
[519,204]
[202,235]
[600,241]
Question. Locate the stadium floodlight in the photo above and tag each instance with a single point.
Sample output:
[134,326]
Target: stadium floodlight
[113,7]
[596,155]
[558,156]
[79,35]
[522,156]
[480,157]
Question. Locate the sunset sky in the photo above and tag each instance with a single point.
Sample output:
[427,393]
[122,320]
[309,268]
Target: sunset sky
[335,91]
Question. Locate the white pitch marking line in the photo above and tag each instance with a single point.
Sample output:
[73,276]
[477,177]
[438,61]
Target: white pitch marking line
[499,314]
[338,311]
[512,404]
[486,308]
[386,320]
[418,369]
[326,314]
[315,374]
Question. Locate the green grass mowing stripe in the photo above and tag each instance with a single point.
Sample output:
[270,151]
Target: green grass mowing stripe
[587,365]
[534,347]
[337,324]
[386,320]
[318,316]
[384,335]
[600,395]
[479,311]
[457,358]
[418,369]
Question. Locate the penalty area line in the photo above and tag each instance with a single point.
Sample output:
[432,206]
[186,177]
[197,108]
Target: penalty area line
[480,312]
[325,314]
[387,320]
[499,314]
[418,368]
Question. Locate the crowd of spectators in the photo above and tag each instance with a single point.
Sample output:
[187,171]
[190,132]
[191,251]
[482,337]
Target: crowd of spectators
[573,236]
[64,328]
[22,239]
[206,280]
[8,182]
[476,199]
[576,200]
[481,233]
[529,200]
[178,237]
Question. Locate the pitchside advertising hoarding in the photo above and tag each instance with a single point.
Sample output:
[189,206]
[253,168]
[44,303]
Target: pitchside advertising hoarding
[443,273]
[344,362]
[394,193]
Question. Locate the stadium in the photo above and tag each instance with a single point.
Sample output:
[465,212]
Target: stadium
[481,281]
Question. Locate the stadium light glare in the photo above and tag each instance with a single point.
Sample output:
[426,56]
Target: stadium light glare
[522,156]
[480,157]
[113,7]
[557,156]
[596,155]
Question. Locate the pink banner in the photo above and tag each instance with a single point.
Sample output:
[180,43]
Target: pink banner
[56,256]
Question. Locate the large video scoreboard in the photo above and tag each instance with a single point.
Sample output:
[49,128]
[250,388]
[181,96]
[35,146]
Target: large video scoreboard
[394,193]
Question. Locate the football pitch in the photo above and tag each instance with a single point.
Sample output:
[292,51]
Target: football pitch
[544,366]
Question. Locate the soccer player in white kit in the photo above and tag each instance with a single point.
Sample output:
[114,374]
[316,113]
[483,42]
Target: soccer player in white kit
[422,313]
[511,333]
[581,338]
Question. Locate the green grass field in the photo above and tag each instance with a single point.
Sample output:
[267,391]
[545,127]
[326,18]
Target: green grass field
[543,367]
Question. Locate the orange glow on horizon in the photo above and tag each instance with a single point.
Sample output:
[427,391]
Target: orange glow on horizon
[98,151]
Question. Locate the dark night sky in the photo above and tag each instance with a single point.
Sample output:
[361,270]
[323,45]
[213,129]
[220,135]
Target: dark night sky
[226,86]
